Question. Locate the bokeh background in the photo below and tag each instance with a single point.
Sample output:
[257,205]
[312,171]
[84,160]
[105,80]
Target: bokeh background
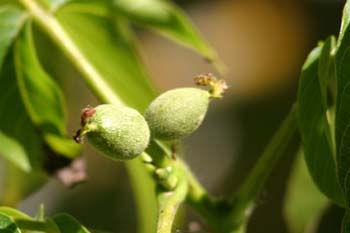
[264,44]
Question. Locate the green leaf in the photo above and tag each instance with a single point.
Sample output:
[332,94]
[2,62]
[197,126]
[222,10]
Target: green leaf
[346,218]
[304,202]
[52,226]
[13,212]
[314,128]
[345,22]
[42,97]
[7,224]
[40,216]
[67,223]
[11,20]
[327,82]
[326,69]
[15,124]
[8,2]
[28,224]
[346,222]
[110,51]
[10,147]
[53,5]
[342,120]
[25,142]
[166,18]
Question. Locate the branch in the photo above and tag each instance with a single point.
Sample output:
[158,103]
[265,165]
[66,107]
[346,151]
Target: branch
[243,200]
[231,216]
[169,201]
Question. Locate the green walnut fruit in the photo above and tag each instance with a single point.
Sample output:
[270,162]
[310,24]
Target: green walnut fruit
[117,131]
[175,114]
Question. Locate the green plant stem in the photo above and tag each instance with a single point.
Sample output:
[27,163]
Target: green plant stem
[169,197]
[197,196]
[243,200]
[166,212]
[232,216]
[169,201]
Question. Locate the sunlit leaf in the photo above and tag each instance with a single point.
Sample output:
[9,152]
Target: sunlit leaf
[42,97]
[304,202]
[107,47]
[14,213]
[345,22]
[9,2]
[167,19]
[11,19]
[55,4]
[314,128]
[13,151]
[15,123]
[26,143]
[110,50]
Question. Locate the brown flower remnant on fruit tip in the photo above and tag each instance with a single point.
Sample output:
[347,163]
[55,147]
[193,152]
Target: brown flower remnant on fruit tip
[85,114]
[217,87]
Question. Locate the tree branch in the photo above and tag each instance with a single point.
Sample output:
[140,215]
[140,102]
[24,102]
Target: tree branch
[169,201]
[243,200]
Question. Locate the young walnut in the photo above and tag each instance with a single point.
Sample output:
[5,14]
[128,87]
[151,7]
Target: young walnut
[177,113]
[117,131]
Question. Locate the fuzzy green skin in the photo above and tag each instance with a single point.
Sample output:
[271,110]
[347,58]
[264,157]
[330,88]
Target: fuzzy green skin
[175,114]
[117,131]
